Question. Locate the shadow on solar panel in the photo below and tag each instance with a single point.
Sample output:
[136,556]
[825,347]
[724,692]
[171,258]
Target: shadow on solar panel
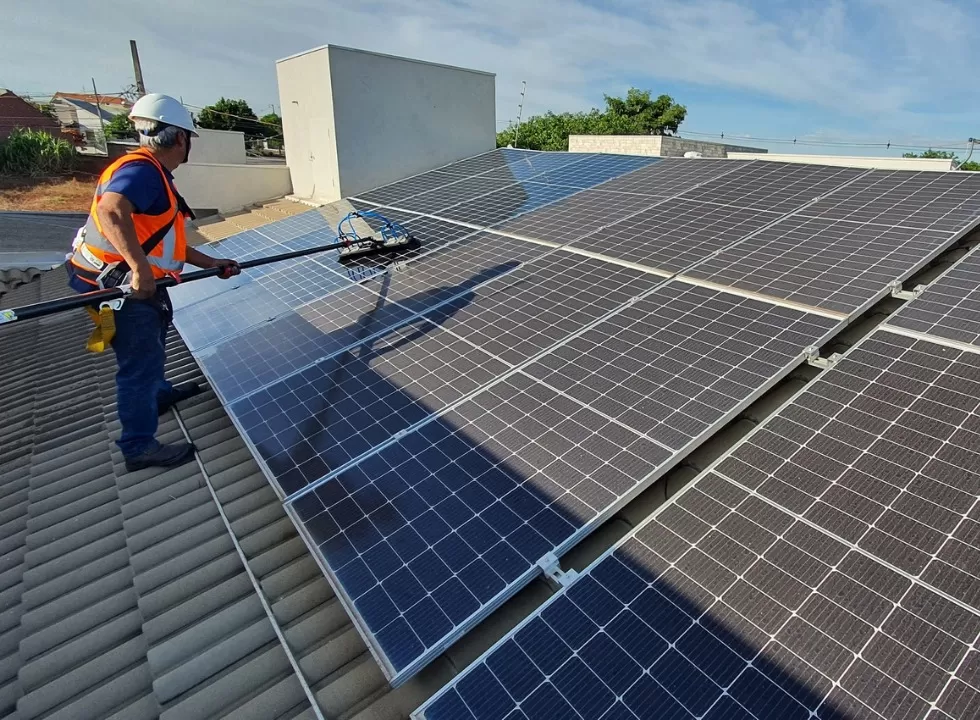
[390,376]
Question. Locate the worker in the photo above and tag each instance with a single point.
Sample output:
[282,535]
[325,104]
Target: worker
[137,225]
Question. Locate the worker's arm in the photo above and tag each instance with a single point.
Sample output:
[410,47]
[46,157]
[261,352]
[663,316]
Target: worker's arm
[116,219]
[196,257]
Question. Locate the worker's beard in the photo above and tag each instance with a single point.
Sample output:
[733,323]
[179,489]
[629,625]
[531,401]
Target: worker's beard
[187,149]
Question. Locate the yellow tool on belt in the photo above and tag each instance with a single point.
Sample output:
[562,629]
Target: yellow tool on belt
[105,326]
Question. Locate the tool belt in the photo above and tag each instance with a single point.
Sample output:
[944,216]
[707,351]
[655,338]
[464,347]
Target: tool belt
[103,315]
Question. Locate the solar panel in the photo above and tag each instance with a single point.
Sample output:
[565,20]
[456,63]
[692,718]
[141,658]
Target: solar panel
[802,578]
[531,164]
[777,187]
[295,226]
[393,192]
[675,234]
[506,203]
[542,303]
[461,191]
[579,215]
[455,269]
[214,319]
[318,419]
[950,307]
[676,362]
[835,265]
[439,527]
[594,170]
[273,350]
[671,176]
[564,455]
[499,158]
[944,202]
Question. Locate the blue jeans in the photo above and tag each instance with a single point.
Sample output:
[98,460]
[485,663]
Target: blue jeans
[140,345]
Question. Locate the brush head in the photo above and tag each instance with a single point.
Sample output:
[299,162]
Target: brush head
[371,246]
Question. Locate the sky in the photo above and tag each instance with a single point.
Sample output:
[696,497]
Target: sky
[820,71]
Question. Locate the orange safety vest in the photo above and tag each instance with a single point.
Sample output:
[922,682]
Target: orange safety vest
[92,251]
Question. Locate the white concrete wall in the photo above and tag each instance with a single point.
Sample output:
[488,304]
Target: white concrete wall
[223,147]
[306,102]
[230,187]
[652,145]
[880,163]
[354,120]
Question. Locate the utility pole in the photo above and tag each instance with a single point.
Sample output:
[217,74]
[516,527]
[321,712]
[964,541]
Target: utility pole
[140,87]
[520,111]
[98,108]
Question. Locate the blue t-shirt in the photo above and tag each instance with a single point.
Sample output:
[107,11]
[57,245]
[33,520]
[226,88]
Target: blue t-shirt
[141,184]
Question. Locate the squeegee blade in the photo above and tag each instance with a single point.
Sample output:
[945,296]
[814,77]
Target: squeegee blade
[373,246]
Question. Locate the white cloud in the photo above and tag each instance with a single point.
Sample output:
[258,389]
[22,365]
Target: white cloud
[889,63]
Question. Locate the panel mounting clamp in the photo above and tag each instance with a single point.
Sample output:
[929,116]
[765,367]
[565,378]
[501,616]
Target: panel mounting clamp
[897,292]
[549,564]
[812,355]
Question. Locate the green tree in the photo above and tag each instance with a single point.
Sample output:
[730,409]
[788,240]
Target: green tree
[231,115]
[970,165]
[636,114]
[271,125]
[120,128]
[931,154]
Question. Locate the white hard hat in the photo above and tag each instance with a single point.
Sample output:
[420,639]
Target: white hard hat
[165,109]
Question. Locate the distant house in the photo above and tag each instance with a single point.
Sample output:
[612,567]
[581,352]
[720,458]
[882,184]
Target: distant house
[15,112]
[82,111]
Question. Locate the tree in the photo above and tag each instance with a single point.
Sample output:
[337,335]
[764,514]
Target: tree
[970,165]
[120,128]
[231,115]
[931,154]
[271,125]
[636,114]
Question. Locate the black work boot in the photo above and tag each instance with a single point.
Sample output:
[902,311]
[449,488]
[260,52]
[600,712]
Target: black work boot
[159,455]
[178,393]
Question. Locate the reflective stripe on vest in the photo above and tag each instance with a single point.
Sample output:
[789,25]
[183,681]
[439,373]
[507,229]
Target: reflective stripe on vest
[92,252]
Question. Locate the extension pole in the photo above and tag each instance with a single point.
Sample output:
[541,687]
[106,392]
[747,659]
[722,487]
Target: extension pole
[50,307]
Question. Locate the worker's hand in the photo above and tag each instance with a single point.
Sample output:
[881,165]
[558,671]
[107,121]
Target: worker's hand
[144,286]
[229,268]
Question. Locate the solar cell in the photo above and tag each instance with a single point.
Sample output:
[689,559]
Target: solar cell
[581,214]
[945,202]
[316,420]
[675,234]
[777,187]
[838,266]
[440,526]
[541,303]
[678,361]
[788,588]
[295,226]
[950,307]
[671,176]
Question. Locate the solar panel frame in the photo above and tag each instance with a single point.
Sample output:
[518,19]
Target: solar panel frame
[948,311]
[705,508]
